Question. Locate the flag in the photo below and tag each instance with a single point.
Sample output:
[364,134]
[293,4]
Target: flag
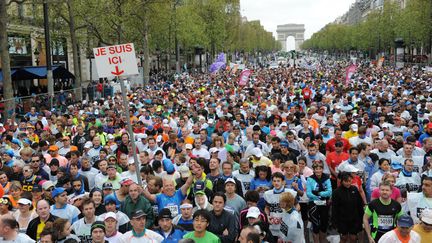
[244,77]
[349,72]
[380,62]
[218,64]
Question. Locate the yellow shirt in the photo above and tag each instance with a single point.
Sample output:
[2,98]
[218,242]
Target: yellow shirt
[40,227]
[262,161]
[426,237]
[349,134]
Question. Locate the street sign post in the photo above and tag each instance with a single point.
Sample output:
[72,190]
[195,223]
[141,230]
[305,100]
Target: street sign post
[116,61]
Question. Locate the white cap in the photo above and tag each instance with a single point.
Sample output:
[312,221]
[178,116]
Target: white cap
[131,161]
[348,168]
[256,152]
[110,136]
[253,212]
[426,216]
[24,201]
[188,146]
[354,127]
[214,150]
[210,121]
[230,180]
[47,184]
[159,138]
[283,124]
[110,215]
[338,107]
[88,144]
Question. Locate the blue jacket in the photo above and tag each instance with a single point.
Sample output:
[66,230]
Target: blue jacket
[175,236]
[313,189]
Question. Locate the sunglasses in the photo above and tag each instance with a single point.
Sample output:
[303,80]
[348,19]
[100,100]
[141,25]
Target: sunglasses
[35,161]
[49,189]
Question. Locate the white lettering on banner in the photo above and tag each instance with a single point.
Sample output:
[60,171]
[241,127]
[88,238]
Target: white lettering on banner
[116,60]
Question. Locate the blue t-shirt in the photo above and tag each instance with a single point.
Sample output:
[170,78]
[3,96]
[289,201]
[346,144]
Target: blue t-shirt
[164,201]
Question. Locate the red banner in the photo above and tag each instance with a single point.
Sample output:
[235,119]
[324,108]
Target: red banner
[244,77]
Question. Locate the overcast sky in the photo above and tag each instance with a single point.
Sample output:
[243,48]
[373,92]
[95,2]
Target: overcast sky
[314,14]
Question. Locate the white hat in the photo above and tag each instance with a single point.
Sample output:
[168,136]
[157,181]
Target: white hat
[47,184]
[256,152]
[283,124]
[338,107]
[214,150]
[354,127]
[24,201]
[184,171]
[88,144]
[188,146]
[110,215]
[210,121]
[385,125]
[426,216]
[348,168]
[110,136]
[141,136]
[230,180]
[131,160]
[253,212]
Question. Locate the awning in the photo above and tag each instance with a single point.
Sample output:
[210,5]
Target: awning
[38,72]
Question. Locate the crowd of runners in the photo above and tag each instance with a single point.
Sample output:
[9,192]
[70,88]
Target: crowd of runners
[295,155]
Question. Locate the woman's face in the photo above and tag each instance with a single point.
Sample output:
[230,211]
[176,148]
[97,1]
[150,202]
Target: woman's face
[385,166]
[16,193]
[262,175]
[391,181]
[318,171]
[200,199]
[67,229]
[23,208]
[97,197]
[301,164]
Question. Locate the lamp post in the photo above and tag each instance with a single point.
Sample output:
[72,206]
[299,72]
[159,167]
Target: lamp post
[158,59]
[90,56]
[36,54]
[141,56]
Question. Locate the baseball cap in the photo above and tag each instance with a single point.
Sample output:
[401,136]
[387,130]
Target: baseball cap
[429,125]
[283,124]
[188,146]
[126,182]
[210,121]
[24,201]
[9,152]
[214,150]
[199,186]
[405,221]
[107,185]
[109,199]
[138,214]
[354,127]
[53,148]
[253,212]
[168,166]
[36,188]
[184,171]
[230,180]
[257,152]
[284,144]
[165,213]
[47,185]
[348,168]
[110,136]
[111,166]
[110,215]
[88,144]
[57,191]
[426,216]
[396,166]
[199,193]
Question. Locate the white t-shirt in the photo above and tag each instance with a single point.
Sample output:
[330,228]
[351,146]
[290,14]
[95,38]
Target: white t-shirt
[391,237]
[82,230]
[272,201]
[149,237]
[416,202]
[292,227]
[115,238]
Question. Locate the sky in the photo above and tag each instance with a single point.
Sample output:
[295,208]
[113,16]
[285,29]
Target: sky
[314,14]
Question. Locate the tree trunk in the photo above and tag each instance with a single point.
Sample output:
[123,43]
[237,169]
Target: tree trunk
[146,67]
[5,63]
[75,50]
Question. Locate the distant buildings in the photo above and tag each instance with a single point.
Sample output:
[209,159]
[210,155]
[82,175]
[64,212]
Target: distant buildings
[361,8]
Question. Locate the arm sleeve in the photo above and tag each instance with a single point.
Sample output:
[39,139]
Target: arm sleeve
[328,191]
[233,228]
[309,193]
[150,217]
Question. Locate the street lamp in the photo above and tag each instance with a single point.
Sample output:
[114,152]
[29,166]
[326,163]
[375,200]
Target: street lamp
[36,54]
[141,56]
[90,56]
[158,57]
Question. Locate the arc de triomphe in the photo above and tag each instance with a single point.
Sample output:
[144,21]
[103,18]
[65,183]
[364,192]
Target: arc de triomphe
[294,30]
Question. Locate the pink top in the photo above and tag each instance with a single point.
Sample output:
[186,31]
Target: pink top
[275,169]
[395,193]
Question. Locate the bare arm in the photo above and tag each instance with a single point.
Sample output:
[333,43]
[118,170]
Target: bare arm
[149,196]
[367,227]
[186,186]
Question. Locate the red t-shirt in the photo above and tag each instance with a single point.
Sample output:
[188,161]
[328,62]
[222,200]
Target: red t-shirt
[333,159]
[330,146]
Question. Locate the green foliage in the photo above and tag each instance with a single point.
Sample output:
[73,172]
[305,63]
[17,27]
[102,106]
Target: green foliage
[379,30]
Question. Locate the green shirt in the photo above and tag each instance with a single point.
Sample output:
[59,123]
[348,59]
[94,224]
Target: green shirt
[208,237]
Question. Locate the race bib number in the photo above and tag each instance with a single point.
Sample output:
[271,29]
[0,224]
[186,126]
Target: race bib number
[320,202]
[173,209]
[385,222]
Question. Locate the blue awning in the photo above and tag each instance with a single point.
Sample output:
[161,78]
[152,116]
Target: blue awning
[38,72]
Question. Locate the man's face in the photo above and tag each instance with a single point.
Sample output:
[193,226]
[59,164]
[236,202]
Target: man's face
[151,143]
[89,210]
[110,207]
[354,155]
[244,167]
[427,188]
[62,198]
[165,224]
[404,231]
[168,187]
[103,166]
[230,188]
[218,204]
[200,224]
[111,172]
[110,224]
[277,183]
[73,170]
[213,164]
[186,212]
[98,235]
[408,149]
[43,209]
[385,192]
[138,224]
[409,165]
[133,191]
[243,235]
[312,151]
[226,169]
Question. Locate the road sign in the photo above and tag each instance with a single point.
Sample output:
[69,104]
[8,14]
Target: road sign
[116,60]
